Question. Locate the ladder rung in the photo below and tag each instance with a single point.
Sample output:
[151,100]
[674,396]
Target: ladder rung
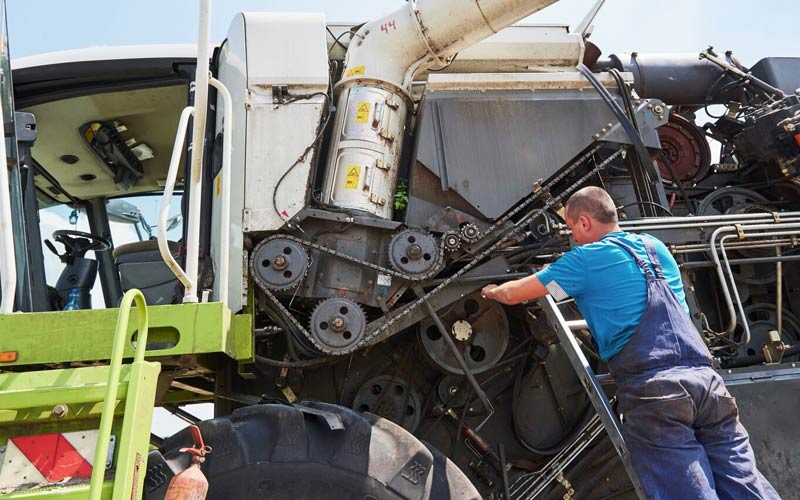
[605,378]
[578,324]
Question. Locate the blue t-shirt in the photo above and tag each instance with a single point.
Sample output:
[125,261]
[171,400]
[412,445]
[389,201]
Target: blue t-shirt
[608,286]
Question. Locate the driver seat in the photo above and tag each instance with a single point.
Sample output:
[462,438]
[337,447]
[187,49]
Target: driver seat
[140,266]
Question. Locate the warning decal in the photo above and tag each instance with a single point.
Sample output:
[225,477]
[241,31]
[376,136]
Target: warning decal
[362,112]
[355,71]
[353,175]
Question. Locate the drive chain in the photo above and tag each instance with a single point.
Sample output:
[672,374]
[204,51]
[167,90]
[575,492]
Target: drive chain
[381,333]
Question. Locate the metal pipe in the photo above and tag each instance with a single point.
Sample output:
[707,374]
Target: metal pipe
[8,259]
[752,260]
[703,247]
[730,217]
[745,324]
[225,174]
[166,199]
[723,283]
[195,178]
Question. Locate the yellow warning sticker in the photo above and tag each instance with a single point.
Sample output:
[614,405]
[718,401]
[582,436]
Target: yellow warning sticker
[355,71]
[362,112]
[219,185]
[352,178]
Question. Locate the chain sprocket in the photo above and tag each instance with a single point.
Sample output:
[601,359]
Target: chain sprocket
[414,252]
[279,264]
[338,324]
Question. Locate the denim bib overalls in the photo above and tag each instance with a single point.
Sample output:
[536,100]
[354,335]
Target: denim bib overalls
[678,419]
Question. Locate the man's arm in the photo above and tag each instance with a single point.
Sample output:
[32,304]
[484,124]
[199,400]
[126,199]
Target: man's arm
[515,292]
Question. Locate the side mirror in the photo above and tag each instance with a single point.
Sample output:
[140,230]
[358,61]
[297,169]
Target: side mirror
[174,222]
[123,212]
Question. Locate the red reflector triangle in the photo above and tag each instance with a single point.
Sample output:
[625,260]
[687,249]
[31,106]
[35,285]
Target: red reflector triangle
[53,456]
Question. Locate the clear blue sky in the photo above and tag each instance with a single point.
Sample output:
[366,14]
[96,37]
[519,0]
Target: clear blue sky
[37,26]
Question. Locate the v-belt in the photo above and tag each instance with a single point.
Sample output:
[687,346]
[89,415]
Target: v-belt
[381,332]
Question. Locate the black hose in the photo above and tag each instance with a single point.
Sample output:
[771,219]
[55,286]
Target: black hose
[638,145]
[308,363]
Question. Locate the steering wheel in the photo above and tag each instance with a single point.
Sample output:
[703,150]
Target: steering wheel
[77,243]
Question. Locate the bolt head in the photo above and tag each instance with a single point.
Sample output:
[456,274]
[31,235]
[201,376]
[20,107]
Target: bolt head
[414,252]
[338,324]
[60,411]
[280,262]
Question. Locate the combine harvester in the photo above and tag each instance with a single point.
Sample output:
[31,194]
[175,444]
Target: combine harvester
[347,191]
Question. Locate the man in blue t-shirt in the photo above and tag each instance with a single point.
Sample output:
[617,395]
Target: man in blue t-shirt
[678,419]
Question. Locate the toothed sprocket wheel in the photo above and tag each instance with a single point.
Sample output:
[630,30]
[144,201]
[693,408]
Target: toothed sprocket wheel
[413,252]
[279,264]
[338,324]
[470,232]
[451,241]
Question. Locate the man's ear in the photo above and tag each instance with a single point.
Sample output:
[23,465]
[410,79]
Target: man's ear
[586,222]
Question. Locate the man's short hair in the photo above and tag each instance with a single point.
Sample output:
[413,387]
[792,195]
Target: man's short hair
[594,202]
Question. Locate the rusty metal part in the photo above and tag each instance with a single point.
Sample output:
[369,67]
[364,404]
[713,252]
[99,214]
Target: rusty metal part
[279,264]
[338,324]
[470,232]
[451,241]
[414,252]
[686,149]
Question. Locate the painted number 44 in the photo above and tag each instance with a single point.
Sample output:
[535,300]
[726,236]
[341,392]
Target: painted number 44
[385,26]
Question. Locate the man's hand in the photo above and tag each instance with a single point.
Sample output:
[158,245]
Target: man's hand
[488,292]
[515,292]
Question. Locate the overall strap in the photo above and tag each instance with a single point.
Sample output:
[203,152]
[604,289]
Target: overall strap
[639,261]
[651,252]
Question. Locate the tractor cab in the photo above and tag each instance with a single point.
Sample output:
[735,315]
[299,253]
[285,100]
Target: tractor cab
[99,128]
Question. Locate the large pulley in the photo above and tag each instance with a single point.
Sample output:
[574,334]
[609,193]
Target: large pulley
[762,318]
[338,324]
[391,398]
[279,264]
[685,148]
[480,331]
[413,252]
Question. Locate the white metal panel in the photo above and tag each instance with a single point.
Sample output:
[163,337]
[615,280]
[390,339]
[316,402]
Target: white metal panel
[276,139]
[286,48]
[232,73]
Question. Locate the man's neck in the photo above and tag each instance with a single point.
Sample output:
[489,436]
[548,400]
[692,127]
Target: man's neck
[611,228]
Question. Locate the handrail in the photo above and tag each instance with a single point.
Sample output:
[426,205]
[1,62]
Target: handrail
[225,174]
[8,260]
[194,179]
[115,368]
[166,199]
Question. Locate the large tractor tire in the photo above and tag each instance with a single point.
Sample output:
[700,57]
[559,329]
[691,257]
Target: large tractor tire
[291,452]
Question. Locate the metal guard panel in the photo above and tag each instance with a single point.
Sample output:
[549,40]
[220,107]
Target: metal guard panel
[88,335]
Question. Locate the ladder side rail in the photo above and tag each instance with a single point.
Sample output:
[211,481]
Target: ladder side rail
[115,367]
[593,389]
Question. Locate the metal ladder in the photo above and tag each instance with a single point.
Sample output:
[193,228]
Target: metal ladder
[564,330]
[94,399]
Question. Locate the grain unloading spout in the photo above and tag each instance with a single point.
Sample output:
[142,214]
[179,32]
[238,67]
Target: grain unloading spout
[373,95]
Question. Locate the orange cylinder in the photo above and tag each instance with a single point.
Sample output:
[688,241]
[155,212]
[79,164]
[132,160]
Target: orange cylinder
[190,484]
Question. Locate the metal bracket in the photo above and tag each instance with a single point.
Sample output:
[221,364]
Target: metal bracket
[333,420]
[774,349]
